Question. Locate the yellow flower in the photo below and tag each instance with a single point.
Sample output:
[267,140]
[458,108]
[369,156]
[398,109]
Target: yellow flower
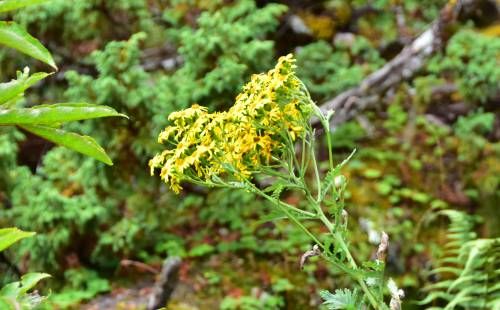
[189,113]
[244,138]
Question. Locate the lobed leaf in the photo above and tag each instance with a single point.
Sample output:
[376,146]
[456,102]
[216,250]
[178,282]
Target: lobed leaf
[329,179]
[341,299]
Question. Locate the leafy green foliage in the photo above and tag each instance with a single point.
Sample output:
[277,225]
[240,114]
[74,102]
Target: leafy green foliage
[227,46]
[15,295]
[71,19]
[423,144]
[14,36]
[467,270]
[48,209]
[125,85]
[327,70]
[82,285]
[43,120]
[472,59]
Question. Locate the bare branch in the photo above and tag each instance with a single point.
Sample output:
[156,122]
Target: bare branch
[402,67]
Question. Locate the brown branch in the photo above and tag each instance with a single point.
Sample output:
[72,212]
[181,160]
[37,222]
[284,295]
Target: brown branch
[139,265]
[401,68]
[165,284]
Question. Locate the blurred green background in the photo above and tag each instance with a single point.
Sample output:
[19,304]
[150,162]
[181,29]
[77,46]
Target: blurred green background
[431,143]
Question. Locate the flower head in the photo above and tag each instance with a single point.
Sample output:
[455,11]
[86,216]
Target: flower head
[272,110]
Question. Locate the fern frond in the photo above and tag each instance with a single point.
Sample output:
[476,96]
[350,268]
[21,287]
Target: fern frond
[469,268]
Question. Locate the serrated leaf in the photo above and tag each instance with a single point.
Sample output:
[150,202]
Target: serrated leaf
[277,192]
[82,144]
[16,88]
[55,113]
[329,179]
[10,5]
[9,236]
[14,36]
[341,299]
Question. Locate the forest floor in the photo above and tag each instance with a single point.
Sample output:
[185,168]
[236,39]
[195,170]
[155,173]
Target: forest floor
[136,298]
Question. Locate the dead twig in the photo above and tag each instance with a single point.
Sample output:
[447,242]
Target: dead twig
[139,265]
[315,251]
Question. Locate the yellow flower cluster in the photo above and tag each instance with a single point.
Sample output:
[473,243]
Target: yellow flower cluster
[272,109]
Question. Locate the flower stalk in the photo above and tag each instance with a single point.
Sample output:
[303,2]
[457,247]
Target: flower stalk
[256,140]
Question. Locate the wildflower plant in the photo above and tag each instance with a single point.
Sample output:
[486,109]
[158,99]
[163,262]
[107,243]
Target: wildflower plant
[265,144]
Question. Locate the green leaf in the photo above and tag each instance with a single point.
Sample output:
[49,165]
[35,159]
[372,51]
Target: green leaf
[16,88]
[341,299]
[29,280]
[9,5]
[19,288]
[329,179]
[14,36]
[9,236]
[82,144]
[55,113]
[8,303]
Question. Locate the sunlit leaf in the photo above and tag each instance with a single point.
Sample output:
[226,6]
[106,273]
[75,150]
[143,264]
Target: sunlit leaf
[9,236]
[55,113]
[14,36]
[82,144]
[16,88]
[9,5]
[19,288]
[8,303]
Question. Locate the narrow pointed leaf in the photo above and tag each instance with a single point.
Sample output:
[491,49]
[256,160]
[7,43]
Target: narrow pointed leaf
[9,5]
[16,88]
[14,36]
[9,236]
[82,144]
[48,114]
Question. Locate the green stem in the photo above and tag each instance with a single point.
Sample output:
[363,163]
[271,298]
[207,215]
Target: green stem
[284,204]
[316,171]
[330,152]
[283,207]
[340,241]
